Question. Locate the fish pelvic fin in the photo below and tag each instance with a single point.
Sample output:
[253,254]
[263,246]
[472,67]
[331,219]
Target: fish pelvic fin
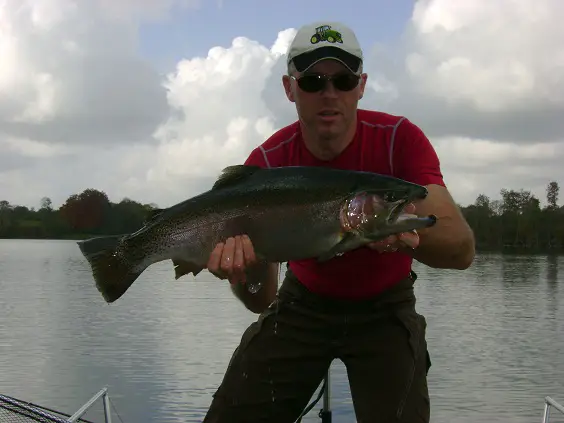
[111,270]
[184,267]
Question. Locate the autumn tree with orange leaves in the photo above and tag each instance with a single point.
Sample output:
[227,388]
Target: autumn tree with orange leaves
[87,210]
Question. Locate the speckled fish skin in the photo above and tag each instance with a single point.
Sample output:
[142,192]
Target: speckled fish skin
[289,213]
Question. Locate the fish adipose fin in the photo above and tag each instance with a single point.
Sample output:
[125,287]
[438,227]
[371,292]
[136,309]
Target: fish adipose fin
[112,272]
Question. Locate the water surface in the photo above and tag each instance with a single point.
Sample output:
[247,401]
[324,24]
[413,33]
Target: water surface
[496,338]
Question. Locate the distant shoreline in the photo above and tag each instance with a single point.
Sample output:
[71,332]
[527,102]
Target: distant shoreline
[514,224]
[510,250]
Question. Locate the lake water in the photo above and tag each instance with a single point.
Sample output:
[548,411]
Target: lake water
[496,338]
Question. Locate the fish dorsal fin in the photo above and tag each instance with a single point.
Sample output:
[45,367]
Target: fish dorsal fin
[153,214]
[233,174]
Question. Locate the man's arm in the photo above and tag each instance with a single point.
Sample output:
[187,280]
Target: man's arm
[267,275]
[450,243]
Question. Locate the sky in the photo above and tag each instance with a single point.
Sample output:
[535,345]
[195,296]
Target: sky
[150,99]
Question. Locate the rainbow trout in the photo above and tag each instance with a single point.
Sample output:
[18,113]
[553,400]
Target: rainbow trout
[289,213]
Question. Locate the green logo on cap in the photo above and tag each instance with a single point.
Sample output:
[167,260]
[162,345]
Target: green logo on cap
[325,33]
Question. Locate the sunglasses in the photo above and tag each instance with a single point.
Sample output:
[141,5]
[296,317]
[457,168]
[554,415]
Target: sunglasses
[312,83]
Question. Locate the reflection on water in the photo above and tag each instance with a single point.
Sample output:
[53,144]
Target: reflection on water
[496,336]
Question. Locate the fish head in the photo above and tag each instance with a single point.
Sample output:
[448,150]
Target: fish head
[380,212]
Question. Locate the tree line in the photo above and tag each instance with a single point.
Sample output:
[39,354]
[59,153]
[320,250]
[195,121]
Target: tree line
[515,221]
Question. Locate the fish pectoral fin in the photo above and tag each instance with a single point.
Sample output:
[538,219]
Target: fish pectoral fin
[184,267]
[350,241]
[231,175]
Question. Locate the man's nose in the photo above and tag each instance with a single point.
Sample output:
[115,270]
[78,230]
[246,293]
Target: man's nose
[329,90]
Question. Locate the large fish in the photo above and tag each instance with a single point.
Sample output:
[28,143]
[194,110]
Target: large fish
[289,213]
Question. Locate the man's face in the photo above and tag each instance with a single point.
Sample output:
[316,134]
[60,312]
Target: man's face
[330,112]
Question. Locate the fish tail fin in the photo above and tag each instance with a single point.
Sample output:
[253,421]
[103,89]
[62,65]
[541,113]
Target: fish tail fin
[112,271]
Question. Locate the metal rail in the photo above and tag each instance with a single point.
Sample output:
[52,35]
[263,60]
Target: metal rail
[103,393]
[549,402]
[36,412]
[325,414]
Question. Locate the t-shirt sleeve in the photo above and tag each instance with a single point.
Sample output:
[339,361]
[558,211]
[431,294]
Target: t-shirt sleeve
[414,158]
[256,158]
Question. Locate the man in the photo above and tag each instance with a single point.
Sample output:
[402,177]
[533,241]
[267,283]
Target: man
[359,307]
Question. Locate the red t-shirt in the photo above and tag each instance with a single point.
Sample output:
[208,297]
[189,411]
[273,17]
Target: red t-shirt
[384,144]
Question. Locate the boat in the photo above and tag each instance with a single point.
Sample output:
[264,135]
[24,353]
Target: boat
[13,410]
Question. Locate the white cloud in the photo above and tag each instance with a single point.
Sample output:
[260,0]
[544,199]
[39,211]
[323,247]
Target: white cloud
[479,69]
[79,108]
[493,56]
[70,75]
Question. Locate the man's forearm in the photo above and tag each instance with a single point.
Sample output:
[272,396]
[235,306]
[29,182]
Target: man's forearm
[449,244]
[446,245]
[265,275]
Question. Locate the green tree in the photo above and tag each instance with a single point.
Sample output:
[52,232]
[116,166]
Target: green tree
[513,222]
[552,191]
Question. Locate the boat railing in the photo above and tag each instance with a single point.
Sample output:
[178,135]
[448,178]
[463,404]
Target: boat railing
[549,402]
[16,411]
[13,410]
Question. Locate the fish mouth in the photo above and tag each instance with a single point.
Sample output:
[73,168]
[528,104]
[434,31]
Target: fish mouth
[396,209]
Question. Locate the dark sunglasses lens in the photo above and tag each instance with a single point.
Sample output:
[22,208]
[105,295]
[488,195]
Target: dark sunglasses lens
[345,82]
[311,83]
[314,83]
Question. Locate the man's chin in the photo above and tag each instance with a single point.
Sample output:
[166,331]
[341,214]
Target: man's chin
[330,133]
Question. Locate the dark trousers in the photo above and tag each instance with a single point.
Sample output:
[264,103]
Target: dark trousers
[284,356]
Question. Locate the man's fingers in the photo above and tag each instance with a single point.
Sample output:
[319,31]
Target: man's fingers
[409,209]
[229,260]
[214,261]
[385,244]
[410,239]
[248,251]
[227,256]
[391,240]
[238,274]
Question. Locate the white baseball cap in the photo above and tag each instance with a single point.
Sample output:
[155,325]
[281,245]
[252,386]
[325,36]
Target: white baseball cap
[325,40]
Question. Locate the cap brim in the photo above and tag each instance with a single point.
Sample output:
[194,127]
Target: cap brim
[304,61]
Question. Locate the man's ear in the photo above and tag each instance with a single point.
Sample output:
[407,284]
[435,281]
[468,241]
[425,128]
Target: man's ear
[362,85]
[287,82]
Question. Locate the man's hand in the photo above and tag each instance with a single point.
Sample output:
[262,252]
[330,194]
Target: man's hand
[403,241]
[229,260]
